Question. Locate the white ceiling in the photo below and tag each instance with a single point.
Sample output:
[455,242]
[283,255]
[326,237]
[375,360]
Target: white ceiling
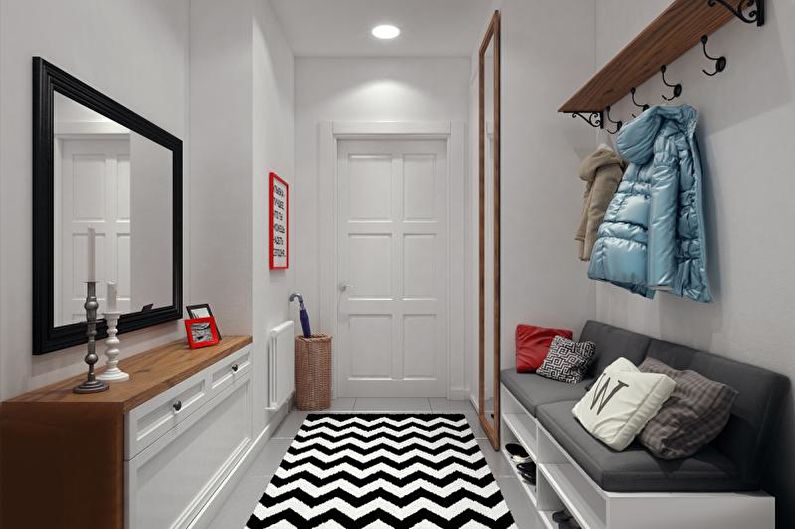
[341,28]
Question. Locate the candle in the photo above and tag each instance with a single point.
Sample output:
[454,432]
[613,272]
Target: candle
[112,295]
[92,254]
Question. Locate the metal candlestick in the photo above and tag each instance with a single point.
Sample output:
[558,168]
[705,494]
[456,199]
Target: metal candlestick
[112,373]
[91,385]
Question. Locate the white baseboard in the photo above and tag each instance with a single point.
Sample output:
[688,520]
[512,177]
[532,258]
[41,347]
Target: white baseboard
[210,510]
[457,394]
[474,400]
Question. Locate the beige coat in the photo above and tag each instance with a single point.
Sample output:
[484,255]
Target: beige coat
[602,172]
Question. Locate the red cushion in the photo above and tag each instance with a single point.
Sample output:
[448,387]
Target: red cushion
[532,345]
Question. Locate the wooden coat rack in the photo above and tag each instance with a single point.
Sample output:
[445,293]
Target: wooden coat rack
[681,26]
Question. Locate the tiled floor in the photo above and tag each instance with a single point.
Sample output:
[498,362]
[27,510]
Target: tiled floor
[241,502]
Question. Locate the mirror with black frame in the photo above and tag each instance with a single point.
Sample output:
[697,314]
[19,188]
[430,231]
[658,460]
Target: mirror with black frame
[489,232]
[107,206]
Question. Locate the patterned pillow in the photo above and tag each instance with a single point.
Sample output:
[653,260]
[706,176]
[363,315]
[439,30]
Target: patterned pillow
[622,402]
[696,413]
[567,361]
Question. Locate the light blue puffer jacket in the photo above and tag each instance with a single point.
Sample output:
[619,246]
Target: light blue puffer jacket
[652,237]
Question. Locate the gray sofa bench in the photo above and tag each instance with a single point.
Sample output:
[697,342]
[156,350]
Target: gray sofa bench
[732,462]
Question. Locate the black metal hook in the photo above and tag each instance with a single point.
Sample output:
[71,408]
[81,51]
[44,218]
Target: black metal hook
[755,8]
[677,87]
[618,123]
[594,119]
[720,62]
[644,106]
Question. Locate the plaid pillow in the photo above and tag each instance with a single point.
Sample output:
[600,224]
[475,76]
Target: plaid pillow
[567,360]
[696,413]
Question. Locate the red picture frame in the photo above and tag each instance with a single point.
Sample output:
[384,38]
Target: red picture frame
[279,223]
[202,332]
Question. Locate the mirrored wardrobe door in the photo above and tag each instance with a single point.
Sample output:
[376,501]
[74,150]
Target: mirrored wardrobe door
[489,232]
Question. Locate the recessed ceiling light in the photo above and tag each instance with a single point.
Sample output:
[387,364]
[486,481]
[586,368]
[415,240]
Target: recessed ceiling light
[386,31]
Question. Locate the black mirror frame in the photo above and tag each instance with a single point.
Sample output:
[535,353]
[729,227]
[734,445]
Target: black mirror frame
[47,79]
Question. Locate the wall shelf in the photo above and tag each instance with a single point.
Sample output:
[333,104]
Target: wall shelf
[679,28]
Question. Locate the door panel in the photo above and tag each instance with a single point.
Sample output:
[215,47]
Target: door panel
[370,258]
[420,340]
[370,346]
[419,183]
[370,187]
[392,251]
[419,266]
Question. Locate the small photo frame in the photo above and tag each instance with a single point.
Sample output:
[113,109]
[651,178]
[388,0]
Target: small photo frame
[202,311]
[202,332]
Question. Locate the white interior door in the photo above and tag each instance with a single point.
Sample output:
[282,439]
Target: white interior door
[94,184]
[392,268]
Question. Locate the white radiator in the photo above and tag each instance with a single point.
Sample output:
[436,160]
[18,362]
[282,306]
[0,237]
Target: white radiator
[281,364]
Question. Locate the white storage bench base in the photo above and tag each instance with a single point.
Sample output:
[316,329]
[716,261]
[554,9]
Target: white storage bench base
[562,483]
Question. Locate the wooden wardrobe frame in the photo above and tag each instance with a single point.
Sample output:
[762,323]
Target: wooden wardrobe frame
[492,429]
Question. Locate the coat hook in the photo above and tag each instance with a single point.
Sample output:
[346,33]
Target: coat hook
[618,123]
[677,87]
[644,106]
[720,62]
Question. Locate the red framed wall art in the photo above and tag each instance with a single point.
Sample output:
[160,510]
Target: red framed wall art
[279,244]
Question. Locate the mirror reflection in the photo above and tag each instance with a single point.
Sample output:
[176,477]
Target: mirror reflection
[118,183]
[489,225]
[488,232]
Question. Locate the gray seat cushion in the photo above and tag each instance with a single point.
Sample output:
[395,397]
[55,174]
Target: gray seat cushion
[613,343]
[532,390]
[635,469]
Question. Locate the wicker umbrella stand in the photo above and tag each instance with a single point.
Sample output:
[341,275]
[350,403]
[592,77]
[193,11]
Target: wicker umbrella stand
[313,372]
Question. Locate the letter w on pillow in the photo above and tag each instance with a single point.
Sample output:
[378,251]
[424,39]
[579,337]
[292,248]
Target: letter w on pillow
[601,389]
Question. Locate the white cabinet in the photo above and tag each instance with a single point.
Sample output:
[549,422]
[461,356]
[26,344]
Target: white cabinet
[561,482]
[184,442]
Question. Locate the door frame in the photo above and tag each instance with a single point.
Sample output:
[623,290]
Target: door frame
[330,133]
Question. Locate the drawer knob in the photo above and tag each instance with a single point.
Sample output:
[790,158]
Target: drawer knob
[177,405]
[235,367]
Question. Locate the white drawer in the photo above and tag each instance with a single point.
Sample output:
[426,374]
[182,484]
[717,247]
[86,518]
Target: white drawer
[149,421]
[223,373]
[169,482]
[146,423]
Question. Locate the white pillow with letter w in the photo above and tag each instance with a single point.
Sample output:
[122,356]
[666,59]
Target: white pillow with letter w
[621,401]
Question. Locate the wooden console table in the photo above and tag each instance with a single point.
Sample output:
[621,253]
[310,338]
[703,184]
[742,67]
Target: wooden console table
[63,455]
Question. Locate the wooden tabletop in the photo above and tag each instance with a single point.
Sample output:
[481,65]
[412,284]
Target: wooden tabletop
[151,373]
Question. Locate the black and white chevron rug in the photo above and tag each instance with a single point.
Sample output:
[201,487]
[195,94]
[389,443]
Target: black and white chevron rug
[380,471]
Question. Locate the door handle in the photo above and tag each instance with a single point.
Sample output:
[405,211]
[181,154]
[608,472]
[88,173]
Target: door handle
[344,286]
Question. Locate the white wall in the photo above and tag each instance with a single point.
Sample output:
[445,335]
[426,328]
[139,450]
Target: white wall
[273,150]
[746,140]
[384,89]
[242,128]
[134,51]
[542,280]
[221,99]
